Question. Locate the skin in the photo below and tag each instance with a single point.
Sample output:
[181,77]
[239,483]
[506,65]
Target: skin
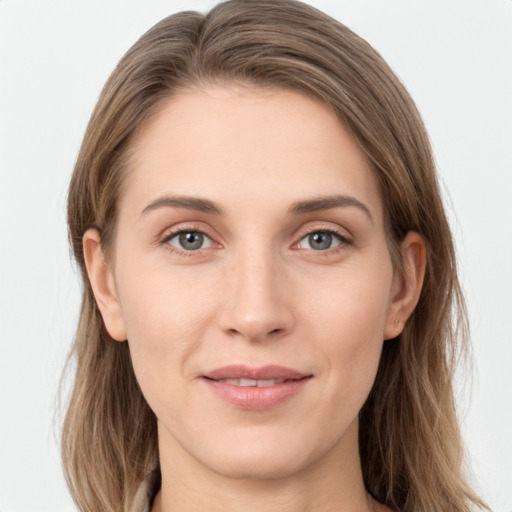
[256,292]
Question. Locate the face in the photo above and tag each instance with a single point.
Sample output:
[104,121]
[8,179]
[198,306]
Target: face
[252,279]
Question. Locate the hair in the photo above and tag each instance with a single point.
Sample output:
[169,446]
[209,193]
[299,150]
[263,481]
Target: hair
[410,444]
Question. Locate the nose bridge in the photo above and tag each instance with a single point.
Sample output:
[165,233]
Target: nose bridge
[257,305]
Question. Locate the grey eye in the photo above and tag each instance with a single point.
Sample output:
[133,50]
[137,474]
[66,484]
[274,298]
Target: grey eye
[190,240]
[320,241]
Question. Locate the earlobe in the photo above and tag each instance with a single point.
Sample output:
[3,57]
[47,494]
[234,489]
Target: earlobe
[407,286]
[103,285]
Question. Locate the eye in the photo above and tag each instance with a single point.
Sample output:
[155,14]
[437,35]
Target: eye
[321,240]
[189,240]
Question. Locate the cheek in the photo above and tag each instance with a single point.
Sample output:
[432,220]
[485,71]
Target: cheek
[353,304]
[160,301]
[166,315]
[349,318]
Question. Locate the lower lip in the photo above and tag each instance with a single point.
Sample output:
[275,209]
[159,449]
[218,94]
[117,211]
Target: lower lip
[252,398]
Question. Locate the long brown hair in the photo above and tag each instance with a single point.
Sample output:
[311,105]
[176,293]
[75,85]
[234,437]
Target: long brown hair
[410,445]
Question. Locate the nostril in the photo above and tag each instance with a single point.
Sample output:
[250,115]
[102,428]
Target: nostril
[272,333]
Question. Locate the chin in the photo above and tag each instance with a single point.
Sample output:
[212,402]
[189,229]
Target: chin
[269,467]
[268,457]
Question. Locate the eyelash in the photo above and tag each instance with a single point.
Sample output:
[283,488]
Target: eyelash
[164,242]
[344,241]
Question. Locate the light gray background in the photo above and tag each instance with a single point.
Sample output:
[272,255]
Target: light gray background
[455,56]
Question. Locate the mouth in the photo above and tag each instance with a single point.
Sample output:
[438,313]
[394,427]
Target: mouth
[256,388]
[245,383]
[247,374]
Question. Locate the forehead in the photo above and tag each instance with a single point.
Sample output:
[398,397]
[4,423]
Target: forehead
[244,146]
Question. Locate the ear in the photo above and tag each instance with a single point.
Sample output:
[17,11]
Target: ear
[103,285]
[407,287]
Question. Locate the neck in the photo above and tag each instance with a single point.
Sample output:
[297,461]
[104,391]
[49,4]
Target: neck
[334,483]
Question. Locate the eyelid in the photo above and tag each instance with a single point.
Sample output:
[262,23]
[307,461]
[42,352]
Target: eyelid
[169,233]
[344,235]
[176,235]
[335,239]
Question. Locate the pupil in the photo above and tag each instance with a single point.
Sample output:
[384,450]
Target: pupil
[320,241]
[191,241]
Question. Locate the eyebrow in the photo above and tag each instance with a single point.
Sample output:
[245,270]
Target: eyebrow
[328,202]
[186,202]
[316,204]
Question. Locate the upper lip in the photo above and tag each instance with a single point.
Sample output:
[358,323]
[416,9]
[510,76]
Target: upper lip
[268,372]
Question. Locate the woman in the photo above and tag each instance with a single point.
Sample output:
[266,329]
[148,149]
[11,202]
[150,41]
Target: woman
[270,281]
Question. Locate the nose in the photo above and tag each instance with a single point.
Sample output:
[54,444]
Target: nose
[257,301]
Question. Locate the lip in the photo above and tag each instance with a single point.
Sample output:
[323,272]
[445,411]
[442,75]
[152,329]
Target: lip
[238,371]
[253,398]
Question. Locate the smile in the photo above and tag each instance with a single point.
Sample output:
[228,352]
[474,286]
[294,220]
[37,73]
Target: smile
[252,382]
[256,389]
